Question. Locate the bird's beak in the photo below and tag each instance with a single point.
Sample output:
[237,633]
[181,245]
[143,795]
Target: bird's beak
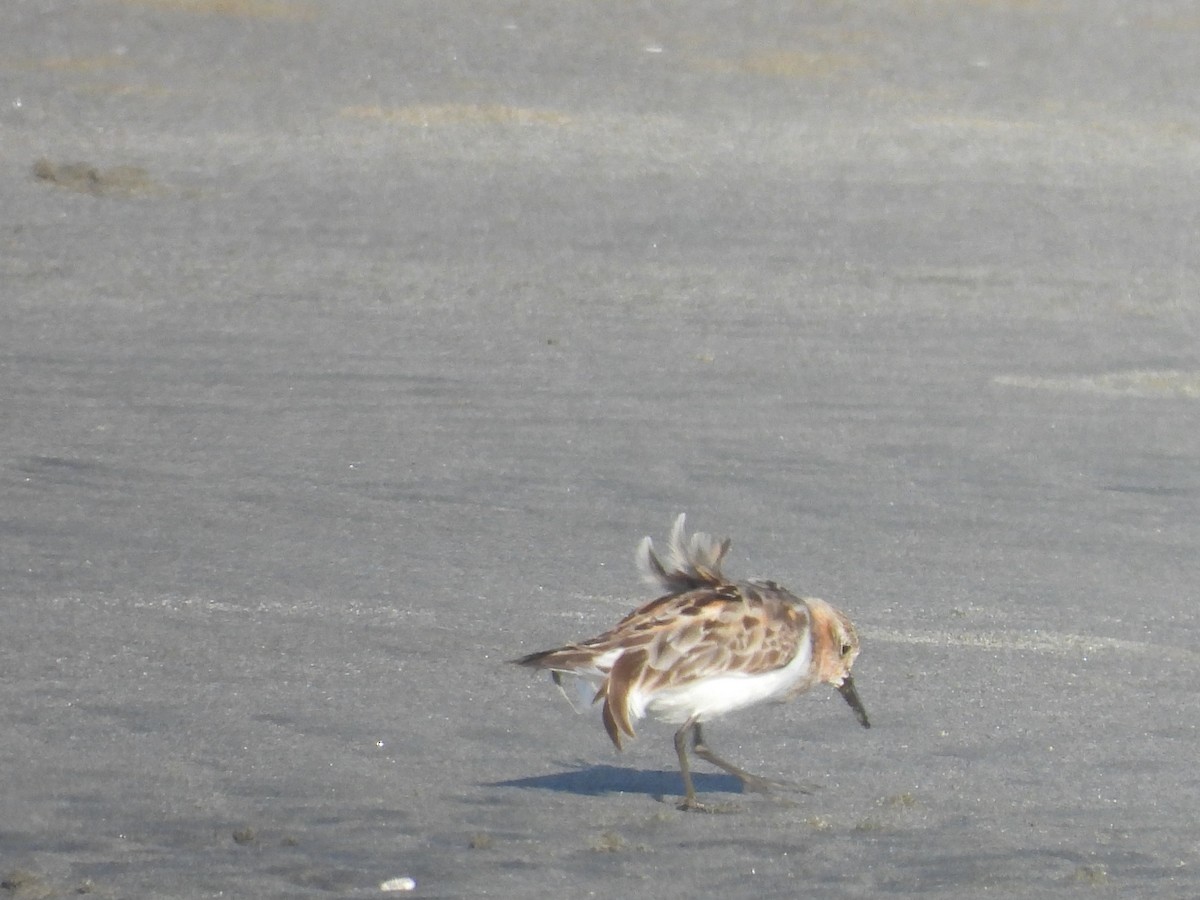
[846,689]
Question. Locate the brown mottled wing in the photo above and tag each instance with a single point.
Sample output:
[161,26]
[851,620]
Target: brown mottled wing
[748,630]
[675,640]
[615,693]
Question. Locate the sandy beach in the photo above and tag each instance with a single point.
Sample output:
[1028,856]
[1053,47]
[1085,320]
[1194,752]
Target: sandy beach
[348,350]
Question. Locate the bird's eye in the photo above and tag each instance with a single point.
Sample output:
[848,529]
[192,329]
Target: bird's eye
[846,648]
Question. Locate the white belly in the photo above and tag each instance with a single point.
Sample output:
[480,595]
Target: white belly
[717,695]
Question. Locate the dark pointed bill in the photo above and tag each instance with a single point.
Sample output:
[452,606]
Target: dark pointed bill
[851,695]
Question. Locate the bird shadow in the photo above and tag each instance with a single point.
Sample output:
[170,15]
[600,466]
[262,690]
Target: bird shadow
[593,781]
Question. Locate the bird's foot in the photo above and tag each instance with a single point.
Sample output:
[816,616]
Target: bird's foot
[691,804]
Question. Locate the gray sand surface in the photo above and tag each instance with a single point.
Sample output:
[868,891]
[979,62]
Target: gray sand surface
[348,349]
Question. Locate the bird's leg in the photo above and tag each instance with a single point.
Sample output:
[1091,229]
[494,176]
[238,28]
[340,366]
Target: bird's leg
[689,792]
[749,782]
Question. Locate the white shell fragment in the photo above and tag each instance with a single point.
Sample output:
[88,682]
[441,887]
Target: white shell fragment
[404,883]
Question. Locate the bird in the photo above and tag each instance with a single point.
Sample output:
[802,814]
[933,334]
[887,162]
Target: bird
[705,647]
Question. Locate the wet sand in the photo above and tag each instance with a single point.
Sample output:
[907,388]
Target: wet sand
[348,350]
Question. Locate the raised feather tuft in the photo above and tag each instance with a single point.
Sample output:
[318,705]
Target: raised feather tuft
[689,562]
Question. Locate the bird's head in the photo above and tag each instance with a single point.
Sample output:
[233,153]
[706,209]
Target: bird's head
[835,647]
